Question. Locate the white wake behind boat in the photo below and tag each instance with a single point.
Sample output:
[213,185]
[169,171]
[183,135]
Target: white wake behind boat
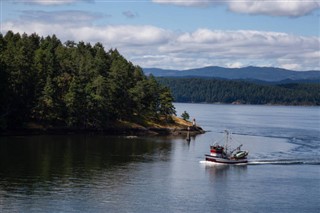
[222,154]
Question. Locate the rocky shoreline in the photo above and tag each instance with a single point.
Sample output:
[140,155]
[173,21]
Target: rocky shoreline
[108,131]
[179,127]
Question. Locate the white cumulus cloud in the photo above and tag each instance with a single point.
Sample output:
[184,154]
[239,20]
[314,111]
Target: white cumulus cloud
[291,8]
[275,8]
[66,17]
[49,2]
[46,2]
[188,2]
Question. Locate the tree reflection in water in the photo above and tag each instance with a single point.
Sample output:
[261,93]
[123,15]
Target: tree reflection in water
[33,161]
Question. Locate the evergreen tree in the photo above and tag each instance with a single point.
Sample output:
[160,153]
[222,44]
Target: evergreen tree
[185,116]
[120,80]
[4,106]
[166,107]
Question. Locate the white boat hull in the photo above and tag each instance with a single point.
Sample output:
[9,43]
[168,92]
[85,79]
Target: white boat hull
[220,160]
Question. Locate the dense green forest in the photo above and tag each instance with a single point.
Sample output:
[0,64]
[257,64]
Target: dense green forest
[51,83]
[197,90]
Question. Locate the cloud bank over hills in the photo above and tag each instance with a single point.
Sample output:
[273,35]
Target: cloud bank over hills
[151,44]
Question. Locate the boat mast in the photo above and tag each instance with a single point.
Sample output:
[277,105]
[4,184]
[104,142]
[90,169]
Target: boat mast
[226,141]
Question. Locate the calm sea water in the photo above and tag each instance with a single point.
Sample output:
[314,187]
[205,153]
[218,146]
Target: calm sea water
[96,173]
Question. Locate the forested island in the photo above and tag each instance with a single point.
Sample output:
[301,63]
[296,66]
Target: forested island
[210,90]
[49,84]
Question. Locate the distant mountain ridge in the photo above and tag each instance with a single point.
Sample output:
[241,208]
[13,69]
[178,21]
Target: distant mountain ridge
[270,74]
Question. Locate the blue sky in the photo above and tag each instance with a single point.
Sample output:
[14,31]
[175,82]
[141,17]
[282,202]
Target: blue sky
[181,34]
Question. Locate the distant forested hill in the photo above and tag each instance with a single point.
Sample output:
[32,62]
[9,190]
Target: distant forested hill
[246,73]
[198,90]
[75,85]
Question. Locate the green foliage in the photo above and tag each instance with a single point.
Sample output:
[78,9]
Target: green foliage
[185,116]
[166,107]
[73,84]
[199,90]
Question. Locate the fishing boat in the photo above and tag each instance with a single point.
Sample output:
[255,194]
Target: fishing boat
[222,154]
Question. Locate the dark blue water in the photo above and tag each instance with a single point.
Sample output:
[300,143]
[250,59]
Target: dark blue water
[96,173]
